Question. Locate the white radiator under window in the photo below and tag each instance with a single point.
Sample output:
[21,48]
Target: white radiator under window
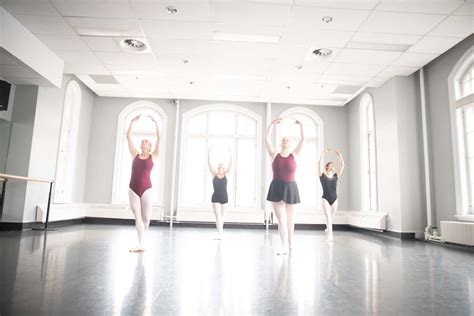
[458,232]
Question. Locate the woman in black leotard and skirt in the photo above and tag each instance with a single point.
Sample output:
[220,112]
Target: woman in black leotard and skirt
[219,197]
[328,179]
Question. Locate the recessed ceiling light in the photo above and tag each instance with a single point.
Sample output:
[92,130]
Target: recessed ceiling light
[185,61]
[288,87]
[133,45]
[191,82]
[299,67]
[327,19]
[171,10]
[324,52]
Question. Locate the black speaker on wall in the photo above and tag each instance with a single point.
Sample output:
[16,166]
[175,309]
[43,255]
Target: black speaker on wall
[4,95]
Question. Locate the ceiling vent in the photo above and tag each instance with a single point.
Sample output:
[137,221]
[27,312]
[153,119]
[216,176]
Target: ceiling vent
[133,45]
[104,79]
[323,52]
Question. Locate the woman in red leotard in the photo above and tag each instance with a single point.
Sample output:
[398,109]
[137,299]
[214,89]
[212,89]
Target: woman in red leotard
[283,191]
[140,192]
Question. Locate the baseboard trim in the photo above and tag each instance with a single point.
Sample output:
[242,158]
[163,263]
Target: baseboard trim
[6,226]
[387,233]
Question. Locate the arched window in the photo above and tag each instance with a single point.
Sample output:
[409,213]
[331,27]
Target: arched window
[144,128]
[220,127]
[67,144]
[368,154]
[306,175]
[462,111]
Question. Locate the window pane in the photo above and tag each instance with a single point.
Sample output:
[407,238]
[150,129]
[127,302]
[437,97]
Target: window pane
[469,119]
[195,173]
[470,144]
[247,126]
[307,177]
[197,124]
[222,123]
[245,177]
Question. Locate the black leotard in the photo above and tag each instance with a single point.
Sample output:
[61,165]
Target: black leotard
[220,190]
[329,187]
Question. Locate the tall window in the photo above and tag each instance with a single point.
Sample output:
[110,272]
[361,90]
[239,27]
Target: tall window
[67,144]
[464,82]
[144,128]
[368,154]
[306,175]
[222,128]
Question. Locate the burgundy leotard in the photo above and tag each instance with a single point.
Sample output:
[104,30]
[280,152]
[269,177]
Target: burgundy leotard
[284,168]
[140,180]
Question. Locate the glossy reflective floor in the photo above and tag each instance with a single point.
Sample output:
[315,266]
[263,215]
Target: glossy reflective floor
[87,270]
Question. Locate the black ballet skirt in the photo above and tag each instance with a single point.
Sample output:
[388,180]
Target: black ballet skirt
[283,191]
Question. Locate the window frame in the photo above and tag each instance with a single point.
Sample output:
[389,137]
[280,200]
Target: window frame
[207,109]
[369,203]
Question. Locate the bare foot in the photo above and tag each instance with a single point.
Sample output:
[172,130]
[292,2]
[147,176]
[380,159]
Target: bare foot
[137,249]
[330,238]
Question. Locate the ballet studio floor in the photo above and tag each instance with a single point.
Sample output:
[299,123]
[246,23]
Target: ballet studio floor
[87,270]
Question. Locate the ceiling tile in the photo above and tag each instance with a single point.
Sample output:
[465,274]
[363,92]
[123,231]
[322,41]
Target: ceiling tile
[465,9]
[344,79]
[94,8]
[368,57]
[106,27]
[243,50]
[81,62]
[254,13]
[309,18]
[385,38]
[101,43]
[316,37]
[391,71]
[455,26]
[353,69]
[64,42]
[126,58]
[434,45]
[376,82]
[186,11]
[48,25]
[358,5]
[34,7]
[180,47]
[177,29]
[414,60]
[417,6]
[400,23]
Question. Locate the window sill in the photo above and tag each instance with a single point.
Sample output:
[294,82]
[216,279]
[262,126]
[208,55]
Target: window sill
[465,217]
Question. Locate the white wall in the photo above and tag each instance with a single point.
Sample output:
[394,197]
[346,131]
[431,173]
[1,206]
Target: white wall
[40,120]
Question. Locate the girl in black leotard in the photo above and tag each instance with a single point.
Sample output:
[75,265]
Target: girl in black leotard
[219,197]
[329,179]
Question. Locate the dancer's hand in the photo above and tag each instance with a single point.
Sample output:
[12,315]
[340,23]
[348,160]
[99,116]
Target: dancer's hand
[338,152]
[276,121]
[327,150]
[136,118]
[298,122]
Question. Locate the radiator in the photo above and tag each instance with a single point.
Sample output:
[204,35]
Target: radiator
[458,232]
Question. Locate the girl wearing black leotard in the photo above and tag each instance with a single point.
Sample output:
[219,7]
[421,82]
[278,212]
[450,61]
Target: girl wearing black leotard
[328,179]
[219,197]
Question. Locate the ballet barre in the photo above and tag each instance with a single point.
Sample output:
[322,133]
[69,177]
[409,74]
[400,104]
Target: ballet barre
[6,177]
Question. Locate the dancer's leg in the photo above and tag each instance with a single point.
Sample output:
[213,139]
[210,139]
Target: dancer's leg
[334,209]
[135,205]
[290,210]
[280,212]
[218,213]
[327,213]
[147,202]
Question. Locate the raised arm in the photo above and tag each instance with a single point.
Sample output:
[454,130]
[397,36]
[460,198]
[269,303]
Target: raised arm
[342,164]
[156,152]
[299,147]
[211,169]
[229,167]
[131,146]
[268,141]
[321,162]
